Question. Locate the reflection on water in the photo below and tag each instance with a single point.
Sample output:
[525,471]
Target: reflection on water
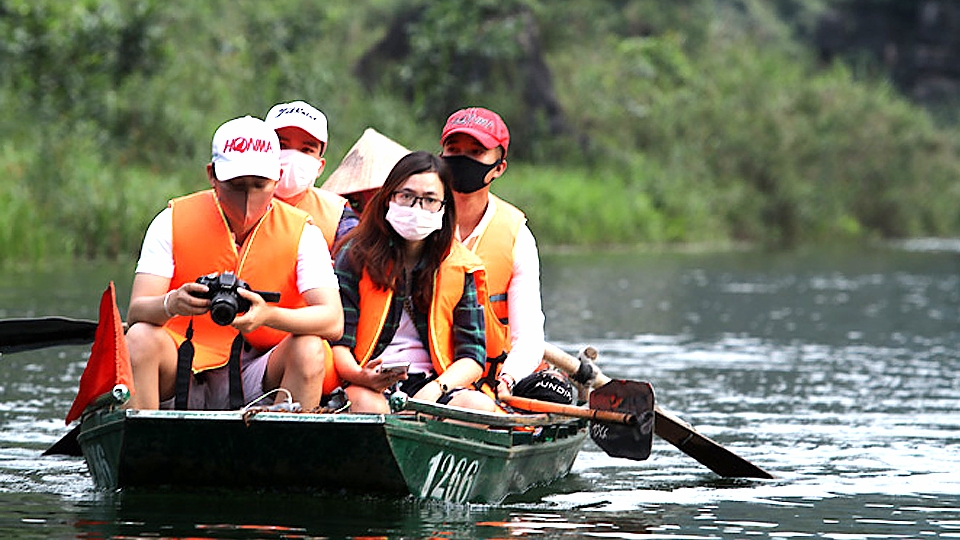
[839,372]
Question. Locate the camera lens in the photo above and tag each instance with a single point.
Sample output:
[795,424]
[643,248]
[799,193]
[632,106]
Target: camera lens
[223,308]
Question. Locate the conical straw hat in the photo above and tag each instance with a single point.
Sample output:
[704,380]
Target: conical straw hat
[366,165]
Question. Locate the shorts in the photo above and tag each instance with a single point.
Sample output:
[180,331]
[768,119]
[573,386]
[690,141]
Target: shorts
[210,390]
[415,381]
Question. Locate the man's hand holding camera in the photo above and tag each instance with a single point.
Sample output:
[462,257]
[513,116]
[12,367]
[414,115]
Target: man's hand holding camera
[229,296]
[256,314]
[187,300]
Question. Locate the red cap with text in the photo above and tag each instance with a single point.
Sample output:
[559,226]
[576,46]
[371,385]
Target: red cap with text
[482,124]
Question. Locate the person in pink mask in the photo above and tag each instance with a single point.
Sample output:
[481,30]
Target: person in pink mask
[302,130]
[412,296]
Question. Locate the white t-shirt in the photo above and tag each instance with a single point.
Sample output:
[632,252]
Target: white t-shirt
[523,300]
[314,268]
[406,346]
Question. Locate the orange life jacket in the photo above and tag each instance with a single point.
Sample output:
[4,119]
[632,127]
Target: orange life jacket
[447,290]
[326,208]
[267,260]
[494,246]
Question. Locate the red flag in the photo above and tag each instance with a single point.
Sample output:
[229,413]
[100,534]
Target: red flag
[109,362]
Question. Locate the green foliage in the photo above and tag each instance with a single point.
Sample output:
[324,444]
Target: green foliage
[784,152]
[584,207]
[67,53]
[687,121]
[456,48]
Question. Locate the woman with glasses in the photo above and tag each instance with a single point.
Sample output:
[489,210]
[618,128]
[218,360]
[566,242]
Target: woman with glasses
[413,297]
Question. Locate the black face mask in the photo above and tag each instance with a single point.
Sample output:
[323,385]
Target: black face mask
[468,173]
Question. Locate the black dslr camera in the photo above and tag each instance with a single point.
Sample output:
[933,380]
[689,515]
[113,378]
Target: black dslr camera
[225,301]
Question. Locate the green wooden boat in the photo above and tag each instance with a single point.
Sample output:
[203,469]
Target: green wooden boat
[427,450]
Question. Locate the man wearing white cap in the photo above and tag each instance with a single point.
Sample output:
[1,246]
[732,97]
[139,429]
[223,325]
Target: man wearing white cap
[302,130]
[183,357]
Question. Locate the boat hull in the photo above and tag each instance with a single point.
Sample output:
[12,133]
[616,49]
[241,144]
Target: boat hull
[382,454]
[456,463]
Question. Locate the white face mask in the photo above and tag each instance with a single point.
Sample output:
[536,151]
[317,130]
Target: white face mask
[412,222]
[300,171]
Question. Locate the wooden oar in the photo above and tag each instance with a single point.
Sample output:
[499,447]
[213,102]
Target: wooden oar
[26,334]
[621,417]
[670,428]
[18,335]
[68,445]
[535,405]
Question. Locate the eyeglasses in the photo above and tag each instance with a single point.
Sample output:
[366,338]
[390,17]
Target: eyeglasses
[408,198]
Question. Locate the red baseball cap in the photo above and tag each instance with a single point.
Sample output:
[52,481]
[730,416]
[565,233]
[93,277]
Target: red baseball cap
[482,124]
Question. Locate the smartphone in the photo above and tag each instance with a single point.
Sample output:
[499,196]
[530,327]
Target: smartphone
[394,367]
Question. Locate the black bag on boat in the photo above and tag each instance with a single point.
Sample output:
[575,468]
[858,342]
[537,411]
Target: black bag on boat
[546,385]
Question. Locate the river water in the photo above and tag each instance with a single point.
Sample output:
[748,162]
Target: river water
[838,371]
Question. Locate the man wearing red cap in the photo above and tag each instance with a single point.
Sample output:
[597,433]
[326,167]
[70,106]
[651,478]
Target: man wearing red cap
[475,143]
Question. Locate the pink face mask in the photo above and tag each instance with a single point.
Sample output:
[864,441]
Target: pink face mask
[300,171]
[413,223]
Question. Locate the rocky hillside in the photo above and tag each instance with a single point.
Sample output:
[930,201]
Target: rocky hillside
[916,43]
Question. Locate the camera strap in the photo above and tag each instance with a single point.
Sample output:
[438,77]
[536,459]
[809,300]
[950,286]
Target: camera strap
[233,370]
[184,368]
[185,372]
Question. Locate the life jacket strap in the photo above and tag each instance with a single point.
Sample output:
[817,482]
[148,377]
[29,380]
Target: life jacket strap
[489,378]
[502,297]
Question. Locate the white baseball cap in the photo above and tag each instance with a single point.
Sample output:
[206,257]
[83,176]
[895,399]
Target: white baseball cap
[299,114]
[246,147]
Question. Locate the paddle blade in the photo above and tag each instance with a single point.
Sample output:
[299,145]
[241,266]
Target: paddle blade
[109,362]
[17,335]
[618,440]
[705,450]
[67,445]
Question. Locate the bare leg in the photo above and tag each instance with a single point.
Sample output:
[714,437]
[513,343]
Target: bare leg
[472,399]
[366,400]
[153,357]
[297,364]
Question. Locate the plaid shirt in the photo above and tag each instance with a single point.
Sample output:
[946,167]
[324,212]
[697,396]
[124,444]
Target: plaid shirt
[469,328]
